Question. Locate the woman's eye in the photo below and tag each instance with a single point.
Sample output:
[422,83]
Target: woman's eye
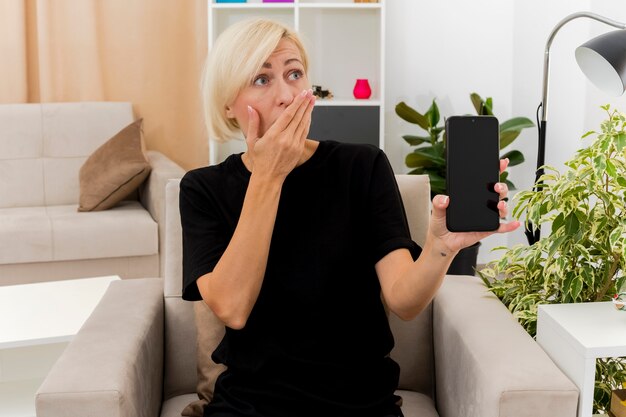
[296,75]
[261,80]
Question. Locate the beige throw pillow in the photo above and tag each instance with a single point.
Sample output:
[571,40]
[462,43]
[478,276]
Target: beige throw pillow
[114,170]
[210,331]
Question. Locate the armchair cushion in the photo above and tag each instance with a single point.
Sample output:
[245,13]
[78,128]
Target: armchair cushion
[210,332]
[114,170]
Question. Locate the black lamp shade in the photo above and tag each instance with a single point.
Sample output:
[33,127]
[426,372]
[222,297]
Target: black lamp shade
[603,61]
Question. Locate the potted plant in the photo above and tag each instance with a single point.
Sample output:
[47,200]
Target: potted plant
[584,257]
[429,157]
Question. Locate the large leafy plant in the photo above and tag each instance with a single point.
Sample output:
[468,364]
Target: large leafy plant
[584,257]
[429,156]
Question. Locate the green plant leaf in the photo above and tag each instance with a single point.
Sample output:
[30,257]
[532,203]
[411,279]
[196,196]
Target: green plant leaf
[576,287]
[416,160]
[416,140]
[477,102]
[615,235]
[610,168]
[621,181]
[506,138]
[572,224]
[599,163]
[416,171]
[433,113]
[591,132]
[437,130]
[515,158]
[557,222]
[431,153]
[620,141]
[488,107]
[516,123]
[411,115]
[510,130]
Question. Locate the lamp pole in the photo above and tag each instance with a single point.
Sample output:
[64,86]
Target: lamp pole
[533,234]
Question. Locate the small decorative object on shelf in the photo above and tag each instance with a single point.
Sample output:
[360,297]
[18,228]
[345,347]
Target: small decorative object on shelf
[231,1]
[620,303]
[362,89]
[320,93]
[366,1]
[618,403]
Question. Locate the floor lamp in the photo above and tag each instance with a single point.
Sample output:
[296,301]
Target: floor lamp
[602,60]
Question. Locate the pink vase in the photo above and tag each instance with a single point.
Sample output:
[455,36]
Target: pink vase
[362,89]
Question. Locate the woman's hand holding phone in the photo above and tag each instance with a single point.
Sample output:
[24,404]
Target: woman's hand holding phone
[457,241]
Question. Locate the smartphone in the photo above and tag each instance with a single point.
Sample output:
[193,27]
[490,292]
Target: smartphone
[473,169]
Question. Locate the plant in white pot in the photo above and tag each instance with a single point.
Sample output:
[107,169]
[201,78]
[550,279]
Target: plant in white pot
[583,259]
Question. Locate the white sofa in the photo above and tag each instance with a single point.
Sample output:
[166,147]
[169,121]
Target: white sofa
[42,235]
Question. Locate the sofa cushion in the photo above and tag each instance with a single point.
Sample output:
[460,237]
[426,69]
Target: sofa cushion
[58,233]
[22,182]
[114,170]
[77,129]
[25,235]
[20,135]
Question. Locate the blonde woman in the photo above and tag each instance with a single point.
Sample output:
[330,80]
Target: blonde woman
[291,243]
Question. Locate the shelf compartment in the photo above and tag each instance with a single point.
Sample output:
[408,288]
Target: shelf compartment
[338,57]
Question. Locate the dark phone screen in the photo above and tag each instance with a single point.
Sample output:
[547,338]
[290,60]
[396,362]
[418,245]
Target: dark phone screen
[473,168]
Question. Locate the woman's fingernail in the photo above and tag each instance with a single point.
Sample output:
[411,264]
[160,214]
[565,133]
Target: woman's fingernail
[445,200]
[249,110]
[303,93]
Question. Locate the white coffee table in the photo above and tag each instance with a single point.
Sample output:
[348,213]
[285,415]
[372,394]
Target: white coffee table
[36,323]
[575,335]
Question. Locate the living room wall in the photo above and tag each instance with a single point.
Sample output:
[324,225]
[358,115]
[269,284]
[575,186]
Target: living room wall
[147,52]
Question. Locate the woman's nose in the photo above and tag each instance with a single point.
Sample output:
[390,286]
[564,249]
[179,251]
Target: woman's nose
[285,93]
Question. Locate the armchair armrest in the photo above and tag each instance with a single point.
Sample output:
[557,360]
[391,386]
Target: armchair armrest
[152,193]
[486,364]
[114,365]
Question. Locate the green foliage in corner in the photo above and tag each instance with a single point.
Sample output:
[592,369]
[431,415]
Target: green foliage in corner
[583,259]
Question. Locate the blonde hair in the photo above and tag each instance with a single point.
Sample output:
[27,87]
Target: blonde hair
[236,57]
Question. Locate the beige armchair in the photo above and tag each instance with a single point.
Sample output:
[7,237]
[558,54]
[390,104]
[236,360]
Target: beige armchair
[464,356]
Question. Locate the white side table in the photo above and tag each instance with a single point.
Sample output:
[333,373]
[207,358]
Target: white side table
[36,323]
[575,335]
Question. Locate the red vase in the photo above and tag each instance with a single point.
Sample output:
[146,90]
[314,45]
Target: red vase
[362,89]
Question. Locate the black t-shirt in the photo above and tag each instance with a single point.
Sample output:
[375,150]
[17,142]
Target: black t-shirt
[317,340]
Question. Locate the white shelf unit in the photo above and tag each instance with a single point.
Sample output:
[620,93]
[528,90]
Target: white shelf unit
[345,41]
